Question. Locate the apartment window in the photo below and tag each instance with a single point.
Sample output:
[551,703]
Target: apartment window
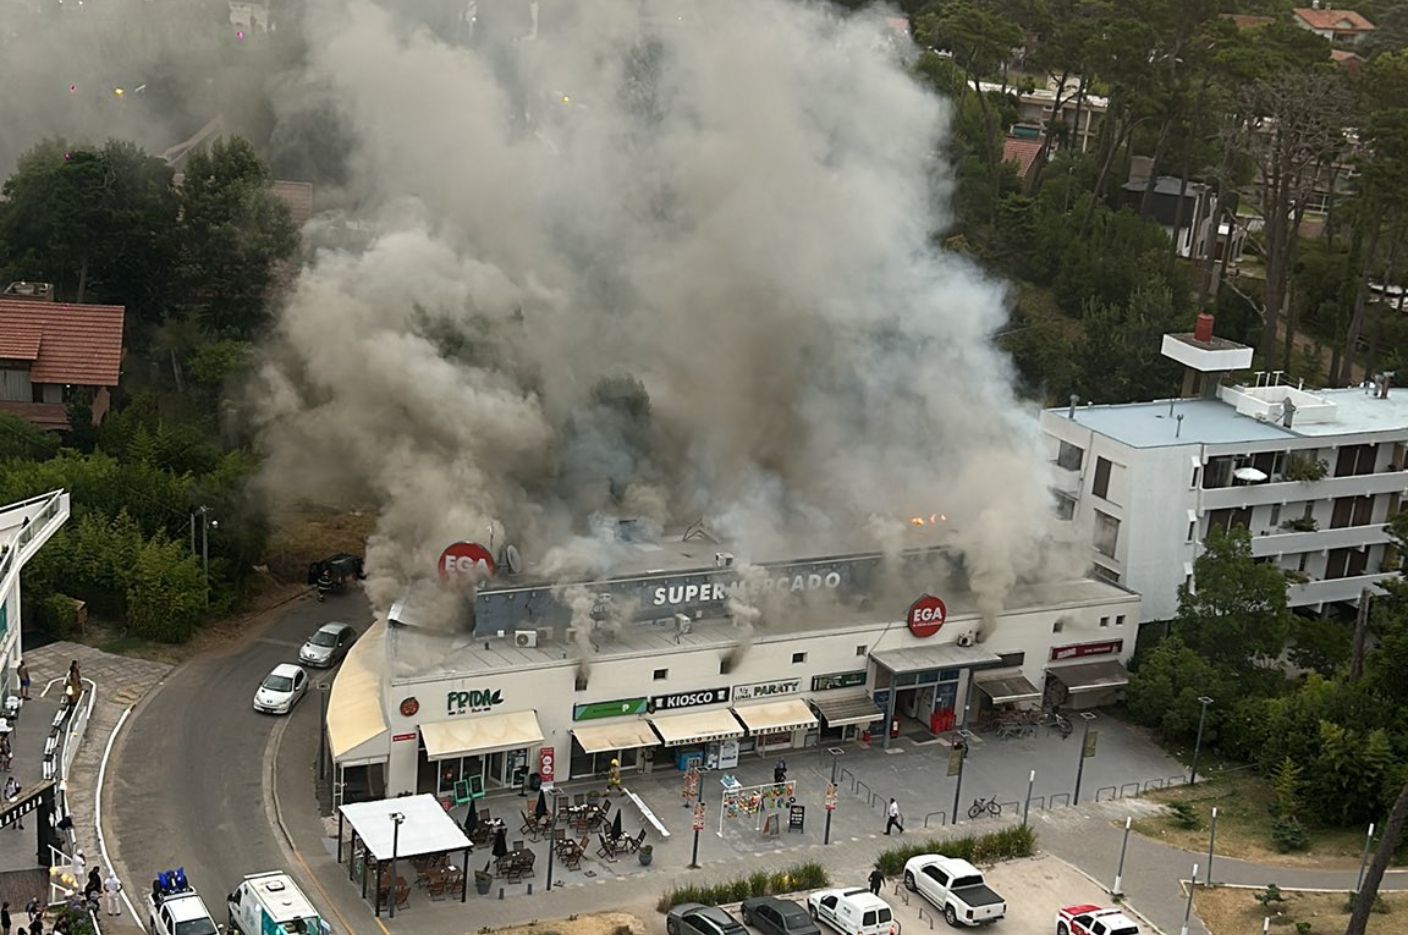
[1101,488]
[799,658]
[1058,626]
[1304,557]
[1070,457]
[1065,505]
[860,650]
[1119,620]
[1355,459]
[1104,574]
[1345,563]
[1275,515]
[1192,531]
[1219,473]
[1351,511]
[1107,533]
[1104,621]
[661,674]
[1197,473]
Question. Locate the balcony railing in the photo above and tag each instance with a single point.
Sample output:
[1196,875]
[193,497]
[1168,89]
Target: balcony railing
[1356,485]
[1289,543]
[45,514]
[1333,589]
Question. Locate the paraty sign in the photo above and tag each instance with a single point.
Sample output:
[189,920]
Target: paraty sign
[767,689]
[926,616]
[472,701]
[465,559]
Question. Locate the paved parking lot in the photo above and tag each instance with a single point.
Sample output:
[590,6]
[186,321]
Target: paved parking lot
[1034,889]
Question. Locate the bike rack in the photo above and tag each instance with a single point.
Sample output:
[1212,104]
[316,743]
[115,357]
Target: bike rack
[1129,785]
[1039,801]
[924,914]
[842,777]
[1059,795]
[943,818]
[868,793]
[1110,789]
[1016,808]
[1153,784]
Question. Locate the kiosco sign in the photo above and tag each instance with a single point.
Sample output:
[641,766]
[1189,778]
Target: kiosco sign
[926,616]
[466,559]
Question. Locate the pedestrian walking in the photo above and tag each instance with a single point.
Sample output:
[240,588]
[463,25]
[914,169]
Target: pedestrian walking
[79,867]
[779,772]
[5,918]
[11,794]
[877,880]
[37,926]
[24,681]
[34,908]
[893,819]
[111,901]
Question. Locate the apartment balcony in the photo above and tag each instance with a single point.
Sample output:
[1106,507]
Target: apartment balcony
[1291,543]
[1357,485]
[1333,589]
[1065,479]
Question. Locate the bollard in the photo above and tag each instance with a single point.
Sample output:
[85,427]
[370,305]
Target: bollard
[501,892]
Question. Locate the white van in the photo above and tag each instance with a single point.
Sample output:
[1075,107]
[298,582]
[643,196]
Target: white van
[272,904]
[853,912]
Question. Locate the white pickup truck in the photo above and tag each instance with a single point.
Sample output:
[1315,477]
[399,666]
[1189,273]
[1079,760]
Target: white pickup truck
[175,908]
[956,889]
[853,912]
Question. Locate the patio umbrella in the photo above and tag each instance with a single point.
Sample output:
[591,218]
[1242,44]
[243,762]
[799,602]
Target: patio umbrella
[471,820]
[541,809]
[500,843]
[616,826]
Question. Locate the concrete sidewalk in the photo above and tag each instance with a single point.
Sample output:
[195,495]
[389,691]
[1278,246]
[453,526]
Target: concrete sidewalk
[27,737]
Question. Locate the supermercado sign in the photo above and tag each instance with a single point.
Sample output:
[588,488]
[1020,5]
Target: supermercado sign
[658,596]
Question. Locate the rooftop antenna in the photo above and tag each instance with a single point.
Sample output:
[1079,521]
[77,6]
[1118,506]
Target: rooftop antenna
[1178,432]
[1075,401]
[1171,401]
[1276,377]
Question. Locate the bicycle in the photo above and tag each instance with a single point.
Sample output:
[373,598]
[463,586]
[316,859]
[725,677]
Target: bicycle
[980,806]
[1059,722]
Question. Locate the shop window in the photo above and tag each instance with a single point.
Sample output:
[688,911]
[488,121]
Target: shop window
[799,658]
[1119,620]
[1101,487]
[661,674]
[1070,457]
[860,650]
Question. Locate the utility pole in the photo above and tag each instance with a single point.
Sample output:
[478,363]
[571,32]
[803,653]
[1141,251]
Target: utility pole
[396,819]
[1203,700]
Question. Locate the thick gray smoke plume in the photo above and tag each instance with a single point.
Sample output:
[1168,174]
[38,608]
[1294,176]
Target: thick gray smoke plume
[649,260]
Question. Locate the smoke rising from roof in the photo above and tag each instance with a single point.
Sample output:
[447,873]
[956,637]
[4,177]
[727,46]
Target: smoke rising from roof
[641,261]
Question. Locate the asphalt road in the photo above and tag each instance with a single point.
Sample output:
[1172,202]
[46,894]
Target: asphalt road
[186,780]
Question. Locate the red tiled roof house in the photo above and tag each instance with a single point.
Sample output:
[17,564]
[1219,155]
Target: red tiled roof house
[54,353]
[1342,27]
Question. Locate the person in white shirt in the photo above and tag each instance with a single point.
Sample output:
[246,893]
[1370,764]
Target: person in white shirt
[80,867]
[892,817]
[111,887]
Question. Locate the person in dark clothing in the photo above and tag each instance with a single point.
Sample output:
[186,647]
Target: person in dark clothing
[94,887]
[5,918]
[877,880]
[37,926]
[779,772]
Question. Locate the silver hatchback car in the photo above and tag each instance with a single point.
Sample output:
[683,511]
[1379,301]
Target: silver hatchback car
[327,646]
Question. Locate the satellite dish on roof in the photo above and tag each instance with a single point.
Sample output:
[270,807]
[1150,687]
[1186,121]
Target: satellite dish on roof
[513,560]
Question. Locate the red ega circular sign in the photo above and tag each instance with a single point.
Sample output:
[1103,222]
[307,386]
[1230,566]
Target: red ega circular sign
[926,616]
[466,558]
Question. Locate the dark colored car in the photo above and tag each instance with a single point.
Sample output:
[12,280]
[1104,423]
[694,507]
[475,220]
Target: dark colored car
[773,916]
[696,919]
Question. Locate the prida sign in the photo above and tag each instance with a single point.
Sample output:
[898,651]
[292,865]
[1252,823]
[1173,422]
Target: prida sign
[671,595]
[472,701]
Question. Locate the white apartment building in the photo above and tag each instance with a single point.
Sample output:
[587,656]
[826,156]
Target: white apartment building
[1312,475]
[24,528]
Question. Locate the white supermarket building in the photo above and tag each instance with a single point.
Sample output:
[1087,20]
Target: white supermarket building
[521,693]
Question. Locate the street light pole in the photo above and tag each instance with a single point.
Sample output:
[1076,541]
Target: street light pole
[1080,764]
[963,737]
[1188,910]
[396,819]
[830,803]
[552,848]
[1027,806]
[1203,700]
[1212,839]
[1364,859]
[1118,889]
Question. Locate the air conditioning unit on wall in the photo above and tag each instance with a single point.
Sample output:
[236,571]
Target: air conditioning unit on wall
[965,639]
[525,639]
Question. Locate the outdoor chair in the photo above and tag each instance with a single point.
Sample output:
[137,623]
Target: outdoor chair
[607,850]
[633,843]
[579,799]
[403,893]
[571,855]
[518,845]
[559,835]
[484,816]
[436,886]
[530,825]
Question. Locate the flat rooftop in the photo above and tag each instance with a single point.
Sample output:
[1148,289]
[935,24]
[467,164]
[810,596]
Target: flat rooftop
[417,654]
[1215,422]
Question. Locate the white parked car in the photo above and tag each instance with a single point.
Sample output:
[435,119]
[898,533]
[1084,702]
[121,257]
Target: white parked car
[956,888]
[281,689]
[853,912]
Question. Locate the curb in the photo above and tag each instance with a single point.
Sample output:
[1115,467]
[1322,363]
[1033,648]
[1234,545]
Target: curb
[1122,902]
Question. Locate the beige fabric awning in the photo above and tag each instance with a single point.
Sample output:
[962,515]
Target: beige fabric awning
[842,709]
[776,716]
[1091,676]
[699,727]
[1006,686]
[627,735]
[357,726]
[489,733]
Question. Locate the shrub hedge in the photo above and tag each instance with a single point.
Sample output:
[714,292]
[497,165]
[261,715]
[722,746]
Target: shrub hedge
[808,876]
[1009,843]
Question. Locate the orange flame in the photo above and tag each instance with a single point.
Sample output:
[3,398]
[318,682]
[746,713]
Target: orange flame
[916,521]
